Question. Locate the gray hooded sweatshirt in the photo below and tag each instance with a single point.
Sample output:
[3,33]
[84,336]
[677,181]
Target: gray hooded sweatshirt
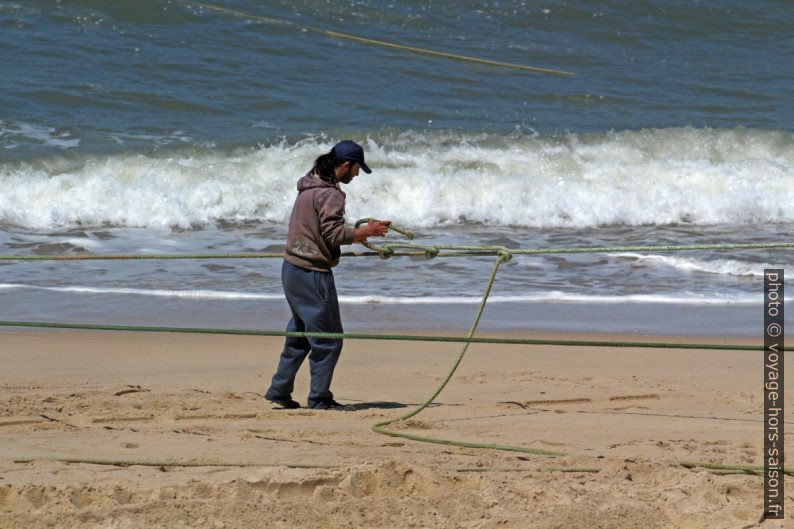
[317,225]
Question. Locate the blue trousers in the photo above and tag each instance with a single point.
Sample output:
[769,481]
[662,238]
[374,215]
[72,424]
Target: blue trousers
[315,308]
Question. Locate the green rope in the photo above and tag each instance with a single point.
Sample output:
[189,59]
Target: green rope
[387,250]
[376,42]
[663,248]
[166,462]
[380,427]
[374,336]
[519,469]
[120,257]
[710,467]
[733,468]
[215,463]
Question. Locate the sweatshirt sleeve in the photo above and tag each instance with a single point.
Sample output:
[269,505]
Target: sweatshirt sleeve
[331,210]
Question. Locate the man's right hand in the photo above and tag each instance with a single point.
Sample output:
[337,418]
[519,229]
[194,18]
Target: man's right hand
[374,228]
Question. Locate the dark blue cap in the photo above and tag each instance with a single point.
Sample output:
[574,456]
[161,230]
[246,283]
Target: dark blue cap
[350,151]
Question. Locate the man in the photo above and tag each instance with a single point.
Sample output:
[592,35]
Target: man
[316,230]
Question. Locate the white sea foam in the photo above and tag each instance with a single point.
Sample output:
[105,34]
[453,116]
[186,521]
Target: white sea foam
[656,176]
[558,297]
[46,135]
[730,267]
[550,296]
[162,293]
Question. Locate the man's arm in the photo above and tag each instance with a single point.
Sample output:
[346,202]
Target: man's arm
[331,210]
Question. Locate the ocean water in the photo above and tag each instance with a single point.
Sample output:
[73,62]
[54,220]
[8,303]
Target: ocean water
[182,127]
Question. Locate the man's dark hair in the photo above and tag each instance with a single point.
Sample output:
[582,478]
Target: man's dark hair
[324,167]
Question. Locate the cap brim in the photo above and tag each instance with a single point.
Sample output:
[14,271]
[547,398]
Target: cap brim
[365,167]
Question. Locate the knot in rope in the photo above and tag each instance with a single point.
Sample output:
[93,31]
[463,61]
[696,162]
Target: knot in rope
[431,251]
[504,254]
[384,252]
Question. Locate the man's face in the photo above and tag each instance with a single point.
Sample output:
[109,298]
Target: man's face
[350,171]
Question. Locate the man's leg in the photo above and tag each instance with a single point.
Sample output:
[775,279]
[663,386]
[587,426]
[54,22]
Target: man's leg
[325,352]
[292,356]
[295,284]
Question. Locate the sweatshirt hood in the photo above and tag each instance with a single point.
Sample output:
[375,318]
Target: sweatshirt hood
[310,181]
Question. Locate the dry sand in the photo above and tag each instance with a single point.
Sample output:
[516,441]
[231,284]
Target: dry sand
[168,398]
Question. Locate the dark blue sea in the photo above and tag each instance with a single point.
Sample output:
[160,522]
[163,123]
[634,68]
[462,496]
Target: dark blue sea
[180,127]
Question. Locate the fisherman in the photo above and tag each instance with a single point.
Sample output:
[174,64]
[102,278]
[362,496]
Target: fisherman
[316,231]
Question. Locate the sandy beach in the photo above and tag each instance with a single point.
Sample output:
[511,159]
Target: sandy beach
[110,429]
[635,159]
